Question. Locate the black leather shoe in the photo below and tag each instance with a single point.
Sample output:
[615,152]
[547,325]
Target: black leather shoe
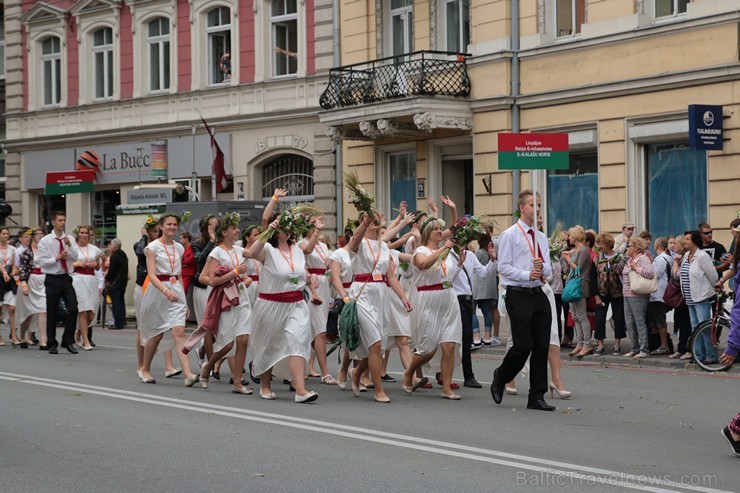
[53,350]
[497,388]
[92,343]
[70,348]
[244,381]
[540,405]
[42,348]
[472,383]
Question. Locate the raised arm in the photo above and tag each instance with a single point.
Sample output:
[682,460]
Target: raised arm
[318,225]
[354,242]
[270,207]
[446,200]
[397,225]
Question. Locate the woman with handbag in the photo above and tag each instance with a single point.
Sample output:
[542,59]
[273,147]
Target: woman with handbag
[638,271]
[674,298]
[580,259]
[698,277]
[609,265]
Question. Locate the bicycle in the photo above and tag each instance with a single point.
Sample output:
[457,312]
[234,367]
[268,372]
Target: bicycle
[714,333]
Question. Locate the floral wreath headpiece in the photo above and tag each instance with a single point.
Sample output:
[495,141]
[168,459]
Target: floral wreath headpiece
[429,220]
[228,219]
[150,222]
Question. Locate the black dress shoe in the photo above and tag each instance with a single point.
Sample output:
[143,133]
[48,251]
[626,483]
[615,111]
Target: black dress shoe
[252,376]
[540,405]
[70,348]
[33,339]
[472,383]
[43,348]
[497,388]
[53,350]
[92,343]
[244,381]
[216,375]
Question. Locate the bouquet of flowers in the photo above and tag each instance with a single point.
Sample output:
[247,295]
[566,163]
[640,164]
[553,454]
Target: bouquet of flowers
[184,216]
[358,196]
[465,230]
[557,242]
[294,221]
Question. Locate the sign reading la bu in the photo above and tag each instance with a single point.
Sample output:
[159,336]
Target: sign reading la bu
[533,151]
[61,182]
[705,127]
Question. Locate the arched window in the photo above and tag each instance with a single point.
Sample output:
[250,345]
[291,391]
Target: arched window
[218,31]
[289,171]
[51,70]
[103,62]
[158,41]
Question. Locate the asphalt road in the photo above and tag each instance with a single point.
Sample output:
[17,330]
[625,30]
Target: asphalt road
[84,423]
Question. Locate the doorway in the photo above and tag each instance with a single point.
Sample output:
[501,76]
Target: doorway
[457,182]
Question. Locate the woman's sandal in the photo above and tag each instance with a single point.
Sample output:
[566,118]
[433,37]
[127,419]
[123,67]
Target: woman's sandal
[328,380]
[452,397]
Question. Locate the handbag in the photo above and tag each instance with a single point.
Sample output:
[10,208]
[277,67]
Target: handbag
[641,285]
[572,289]
[673,298]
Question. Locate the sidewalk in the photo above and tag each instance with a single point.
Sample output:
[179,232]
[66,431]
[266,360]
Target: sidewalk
[605,360]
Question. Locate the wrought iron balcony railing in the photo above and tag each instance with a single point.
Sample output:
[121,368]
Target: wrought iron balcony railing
[422,73]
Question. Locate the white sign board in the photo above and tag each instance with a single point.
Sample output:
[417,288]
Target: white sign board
[148,196]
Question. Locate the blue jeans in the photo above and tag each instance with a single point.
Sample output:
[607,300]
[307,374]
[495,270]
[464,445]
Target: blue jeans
[485,307]
[703,350]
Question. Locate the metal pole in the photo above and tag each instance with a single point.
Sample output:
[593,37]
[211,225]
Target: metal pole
[338,147]
[214,190]
[194,178]
[515,111]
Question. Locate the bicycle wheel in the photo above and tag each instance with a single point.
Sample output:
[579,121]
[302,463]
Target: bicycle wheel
[706,348]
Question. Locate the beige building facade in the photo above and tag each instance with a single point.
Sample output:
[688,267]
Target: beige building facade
[617,75]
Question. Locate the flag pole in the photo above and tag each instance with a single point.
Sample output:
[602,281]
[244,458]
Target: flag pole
[214,188]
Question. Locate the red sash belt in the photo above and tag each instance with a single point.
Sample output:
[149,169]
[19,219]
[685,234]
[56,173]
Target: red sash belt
[369,278]
[347,285]
[431,287]
[318,272]
[87,271]
[254,278]
[36,271]
[286,297]
[166,278]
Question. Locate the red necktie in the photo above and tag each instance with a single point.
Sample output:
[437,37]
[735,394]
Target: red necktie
[63,261]
[534,245]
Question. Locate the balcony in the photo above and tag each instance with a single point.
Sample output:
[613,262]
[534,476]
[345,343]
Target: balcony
[407,94]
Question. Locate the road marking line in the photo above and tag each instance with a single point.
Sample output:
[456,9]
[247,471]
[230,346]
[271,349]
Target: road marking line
[599,476]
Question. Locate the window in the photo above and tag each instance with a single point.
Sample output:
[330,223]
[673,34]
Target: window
[573,194]
[676,188]
[158,41]
[284,27]
[219,45]
[402,179]
[103,62]
[457,25]
[291,172]
[51,70]
[402,26]
[665,8]
[569,15]
[2,47]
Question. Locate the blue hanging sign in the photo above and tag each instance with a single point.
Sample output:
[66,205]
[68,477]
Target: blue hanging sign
[705,127]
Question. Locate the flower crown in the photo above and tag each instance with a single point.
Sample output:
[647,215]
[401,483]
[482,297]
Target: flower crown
[150,221]
[228,219]
[429,220]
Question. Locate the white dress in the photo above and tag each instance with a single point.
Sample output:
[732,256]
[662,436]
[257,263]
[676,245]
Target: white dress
[35,303]
[341,256]
[7,257]
[436,315]
[158,314]
[319,259]
[398,320]
[86,285]
[234,322]
[280,330]
[406,274]
[371,303]
[253,270]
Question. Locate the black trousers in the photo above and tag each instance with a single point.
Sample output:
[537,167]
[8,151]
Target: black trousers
[530,316]
[60,286]
[620,332]
[466,312]
[117,292]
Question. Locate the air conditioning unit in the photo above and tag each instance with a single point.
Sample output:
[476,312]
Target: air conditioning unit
[184,191]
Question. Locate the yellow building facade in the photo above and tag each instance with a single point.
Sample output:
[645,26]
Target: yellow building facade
[425,87]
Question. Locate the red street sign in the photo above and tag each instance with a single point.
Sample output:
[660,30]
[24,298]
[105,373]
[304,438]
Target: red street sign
[61,182]
[533,151]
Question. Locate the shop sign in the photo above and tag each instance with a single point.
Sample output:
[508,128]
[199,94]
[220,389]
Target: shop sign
[533,151]
[149,196]
[125,210]
[705,127]
[62,182]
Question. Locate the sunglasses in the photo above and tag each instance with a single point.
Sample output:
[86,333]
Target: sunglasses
[707,232]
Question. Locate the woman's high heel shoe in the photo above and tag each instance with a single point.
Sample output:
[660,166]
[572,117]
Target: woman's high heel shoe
[563,394]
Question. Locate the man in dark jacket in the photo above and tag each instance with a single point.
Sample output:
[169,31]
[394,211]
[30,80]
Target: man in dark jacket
[116,280]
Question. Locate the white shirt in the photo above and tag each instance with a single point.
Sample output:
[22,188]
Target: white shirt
[515,256]
[472,265]
[48,250]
